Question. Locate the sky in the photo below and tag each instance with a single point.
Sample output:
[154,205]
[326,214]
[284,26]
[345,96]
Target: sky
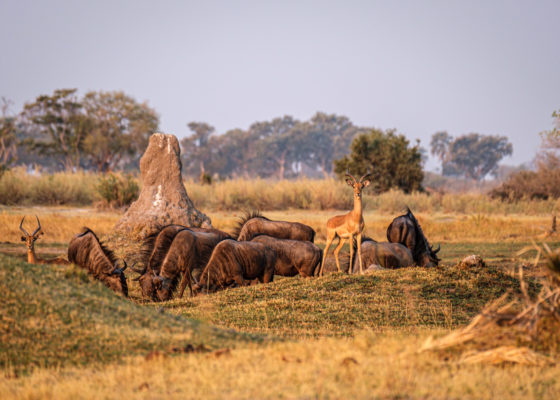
[489,67]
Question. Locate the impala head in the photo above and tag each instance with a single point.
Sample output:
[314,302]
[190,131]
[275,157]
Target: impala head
[30,239]
[358,186]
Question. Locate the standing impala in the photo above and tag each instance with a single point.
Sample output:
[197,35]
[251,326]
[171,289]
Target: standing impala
[30,242]
[348,225]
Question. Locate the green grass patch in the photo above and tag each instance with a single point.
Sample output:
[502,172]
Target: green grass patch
[57,315]
[339,304]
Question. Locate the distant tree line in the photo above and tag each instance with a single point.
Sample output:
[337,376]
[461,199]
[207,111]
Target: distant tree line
[106,131]
[281,148]
[102,131]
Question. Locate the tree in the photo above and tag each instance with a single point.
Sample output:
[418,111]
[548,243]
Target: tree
[197,149]
[473,155]
[8,139]
[389,158]
[276,145]
[58,126]
[327,137]
[549,156]
[119,128]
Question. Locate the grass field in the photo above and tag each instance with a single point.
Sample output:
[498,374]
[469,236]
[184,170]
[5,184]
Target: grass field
[64,336]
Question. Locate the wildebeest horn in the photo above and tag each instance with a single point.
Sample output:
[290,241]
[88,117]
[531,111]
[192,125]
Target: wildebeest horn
[350,175]
[21,227]
[438,248]
[139,271]
[38,227]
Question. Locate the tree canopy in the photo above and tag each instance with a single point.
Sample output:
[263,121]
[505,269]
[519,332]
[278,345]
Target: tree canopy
[388,156]
[473,155]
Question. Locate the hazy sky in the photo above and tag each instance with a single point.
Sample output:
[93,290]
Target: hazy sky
[491,67]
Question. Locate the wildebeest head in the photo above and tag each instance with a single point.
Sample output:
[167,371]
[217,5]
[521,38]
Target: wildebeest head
[146,282]
[430,259]
[88,252]
[116,279]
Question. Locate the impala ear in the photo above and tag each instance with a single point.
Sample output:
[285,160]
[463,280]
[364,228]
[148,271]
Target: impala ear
[350,182]
[365,183]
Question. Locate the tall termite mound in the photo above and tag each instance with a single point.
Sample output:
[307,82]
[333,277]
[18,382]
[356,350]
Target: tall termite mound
[163,199]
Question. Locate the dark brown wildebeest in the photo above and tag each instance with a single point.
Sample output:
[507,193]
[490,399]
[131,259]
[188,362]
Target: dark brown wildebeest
[172,252]
[30,243]
[253,224]
[236,263]
[88,252]
[382,254]
[292,256]
[406,230]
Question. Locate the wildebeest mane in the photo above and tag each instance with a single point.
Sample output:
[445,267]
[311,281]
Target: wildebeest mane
[74,249]
[150,242]
[243,220]
[420,232]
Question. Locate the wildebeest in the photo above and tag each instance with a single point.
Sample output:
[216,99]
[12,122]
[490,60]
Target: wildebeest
[88,252]
[406,230]
[253,224]
[30,243]
[349,225]
[382,254]
[236,263]
[292,256]
[172,252]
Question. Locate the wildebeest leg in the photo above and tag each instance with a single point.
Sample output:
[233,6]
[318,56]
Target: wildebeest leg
[186,280]
[337,250]
[329,241]
[238,278]
[268,275]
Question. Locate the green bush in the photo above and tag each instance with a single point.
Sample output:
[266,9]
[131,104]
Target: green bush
[117,191]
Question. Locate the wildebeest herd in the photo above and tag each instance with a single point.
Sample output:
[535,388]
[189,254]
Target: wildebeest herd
[207,260]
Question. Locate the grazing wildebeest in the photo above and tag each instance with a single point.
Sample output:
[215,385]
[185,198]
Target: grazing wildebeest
[30,243]
[349,225]
[382,254]
[253,224]
[171,253]
[292,256]
[236,263]
[88,252]
[406,230]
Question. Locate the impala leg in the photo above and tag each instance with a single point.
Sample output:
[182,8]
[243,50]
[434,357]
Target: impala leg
[359,239]
[351,253]
[337,250]
[329,241]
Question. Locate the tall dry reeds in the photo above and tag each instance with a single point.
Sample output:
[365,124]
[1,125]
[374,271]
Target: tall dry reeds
[81,188]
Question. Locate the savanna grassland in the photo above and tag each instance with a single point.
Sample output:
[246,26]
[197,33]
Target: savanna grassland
[64,336]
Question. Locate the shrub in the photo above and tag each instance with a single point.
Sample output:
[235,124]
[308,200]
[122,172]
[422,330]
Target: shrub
[541,184]
[117,191]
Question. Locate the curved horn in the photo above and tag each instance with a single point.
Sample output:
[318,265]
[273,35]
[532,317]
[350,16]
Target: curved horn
[139,271]
[125,266]
[21,227]
[366,175]
[38,227]
[438,248]
[351,176]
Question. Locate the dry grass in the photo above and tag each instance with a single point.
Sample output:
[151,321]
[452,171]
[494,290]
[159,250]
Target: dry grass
[367,366]
[60,224]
